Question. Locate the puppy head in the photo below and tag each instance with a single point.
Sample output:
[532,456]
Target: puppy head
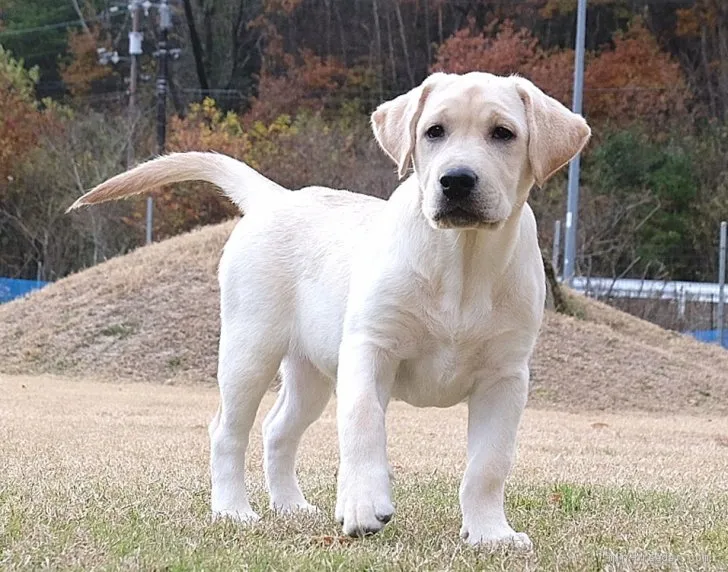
[477,143]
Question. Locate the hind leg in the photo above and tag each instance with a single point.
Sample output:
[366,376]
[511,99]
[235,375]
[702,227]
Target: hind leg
[303,396]
[248,363]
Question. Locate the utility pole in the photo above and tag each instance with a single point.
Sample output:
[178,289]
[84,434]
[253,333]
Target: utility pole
[165,23]
[135,50]
[163,53]
[572,207]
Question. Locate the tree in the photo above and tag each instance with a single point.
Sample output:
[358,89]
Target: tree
[29,30]
[83,68]
[703,32]
[504,49]
[20,120]
[635,80]
[226,48]
[630,80]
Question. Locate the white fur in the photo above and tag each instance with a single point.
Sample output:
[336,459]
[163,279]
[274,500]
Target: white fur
[378,300]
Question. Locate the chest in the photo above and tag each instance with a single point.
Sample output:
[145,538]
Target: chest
[439,374]
[454,320]
[447,351]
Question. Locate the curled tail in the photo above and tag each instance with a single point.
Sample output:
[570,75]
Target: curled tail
[243,184]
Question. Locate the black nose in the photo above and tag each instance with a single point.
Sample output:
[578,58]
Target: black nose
[458,183]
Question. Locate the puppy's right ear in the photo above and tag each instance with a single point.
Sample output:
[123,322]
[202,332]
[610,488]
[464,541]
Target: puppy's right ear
[395,123]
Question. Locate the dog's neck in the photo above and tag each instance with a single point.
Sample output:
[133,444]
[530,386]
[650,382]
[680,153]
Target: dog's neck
[452,256]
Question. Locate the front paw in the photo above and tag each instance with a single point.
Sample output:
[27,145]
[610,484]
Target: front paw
[363,511]
[493,539]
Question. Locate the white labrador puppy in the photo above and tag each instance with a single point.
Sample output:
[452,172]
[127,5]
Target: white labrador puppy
[433,297]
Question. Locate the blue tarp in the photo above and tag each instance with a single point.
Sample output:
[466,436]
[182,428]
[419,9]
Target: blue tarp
[14,287]
[709,336]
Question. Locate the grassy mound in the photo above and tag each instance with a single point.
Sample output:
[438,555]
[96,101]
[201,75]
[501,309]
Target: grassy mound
[153,315]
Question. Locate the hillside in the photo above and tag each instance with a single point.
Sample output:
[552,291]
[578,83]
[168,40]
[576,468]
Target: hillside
[152,315]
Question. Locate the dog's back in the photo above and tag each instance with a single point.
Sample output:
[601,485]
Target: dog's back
[293,261]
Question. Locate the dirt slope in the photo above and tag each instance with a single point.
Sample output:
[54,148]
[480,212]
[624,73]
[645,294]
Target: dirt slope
[153,316]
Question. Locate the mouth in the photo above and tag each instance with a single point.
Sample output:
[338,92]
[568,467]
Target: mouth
[459,217]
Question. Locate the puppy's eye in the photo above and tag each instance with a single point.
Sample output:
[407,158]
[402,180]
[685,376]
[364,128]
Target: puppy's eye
[435,132]
[502,134]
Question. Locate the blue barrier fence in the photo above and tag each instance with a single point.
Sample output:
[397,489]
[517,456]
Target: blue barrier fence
[15,287]
[709,336]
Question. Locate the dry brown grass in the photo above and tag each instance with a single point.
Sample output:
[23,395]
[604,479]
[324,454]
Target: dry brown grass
[107,475]
[153,316]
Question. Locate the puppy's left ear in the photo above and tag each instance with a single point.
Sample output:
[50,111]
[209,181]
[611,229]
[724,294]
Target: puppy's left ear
[555,134]
[395,123]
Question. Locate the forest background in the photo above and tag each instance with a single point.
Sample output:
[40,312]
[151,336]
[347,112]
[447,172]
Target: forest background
[287,85]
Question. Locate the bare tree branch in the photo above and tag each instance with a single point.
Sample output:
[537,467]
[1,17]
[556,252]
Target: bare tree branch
[81,17]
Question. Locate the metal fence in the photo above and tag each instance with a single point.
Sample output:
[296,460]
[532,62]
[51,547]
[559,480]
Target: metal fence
[697,308]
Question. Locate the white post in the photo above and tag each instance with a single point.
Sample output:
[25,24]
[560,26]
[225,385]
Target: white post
[721,281]
[682,302]
[556,247]
[572,204]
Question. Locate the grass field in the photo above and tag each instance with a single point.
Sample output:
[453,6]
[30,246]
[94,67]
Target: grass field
[114,476]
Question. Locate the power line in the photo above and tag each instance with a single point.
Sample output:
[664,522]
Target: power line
[68,24]
[40,28]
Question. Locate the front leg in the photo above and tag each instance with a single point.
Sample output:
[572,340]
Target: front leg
[365,378]
[494,412]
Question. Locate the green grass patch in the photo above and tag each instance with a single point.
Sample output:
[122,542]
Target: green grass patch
[175,363]
[165,525]
[121,330]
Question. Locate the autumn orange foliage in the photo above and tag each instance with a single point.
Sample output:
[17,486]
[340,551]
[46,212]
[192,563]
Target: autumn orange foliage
[83,68]
[503,49]
[184,207]
[207,128]
[21,119]
[305,82]
[18,133]
[503,52]
[633,79]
